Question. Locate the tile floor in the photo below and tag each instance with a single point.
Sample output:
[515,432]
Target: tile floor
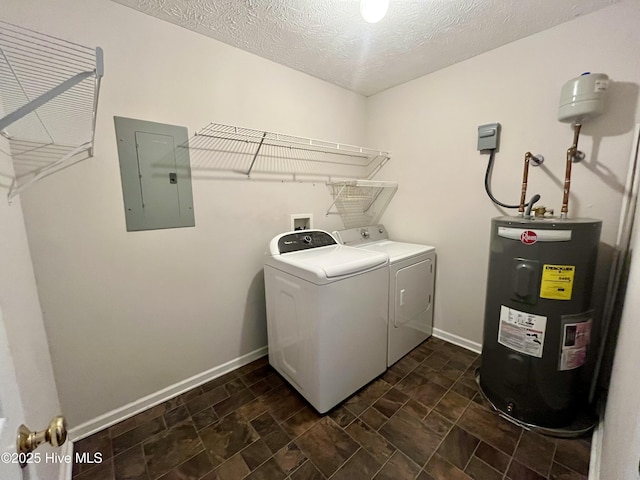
[423,419]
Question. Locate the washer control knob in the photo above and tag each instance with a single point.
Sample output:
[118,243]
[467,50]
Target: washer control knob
[365,233]
[380,230]
[306,239]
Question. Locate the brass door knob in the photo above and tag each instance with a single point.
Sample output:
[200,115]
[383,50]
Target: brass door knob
[55,434]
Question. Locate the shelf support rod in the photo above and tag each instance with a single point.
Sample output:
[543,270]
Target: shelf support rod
[255,155]
[335,199]
[42,99]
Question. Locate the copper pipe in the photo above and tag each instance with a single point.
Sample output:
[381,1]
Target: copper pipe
[525,176]
[571,153]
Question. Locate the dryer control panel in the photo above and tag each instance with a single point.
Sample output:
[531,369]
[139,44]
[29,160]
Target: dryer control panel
[302,240]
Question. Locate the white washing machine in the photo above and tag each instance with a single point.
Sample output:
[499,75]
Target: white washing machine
[411,286]
[326,315]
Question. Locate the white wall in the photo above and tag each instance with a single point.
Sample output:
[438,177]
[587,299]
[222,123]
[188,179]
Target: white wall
[621,427]
[21,320]
[128,314]
[430,127]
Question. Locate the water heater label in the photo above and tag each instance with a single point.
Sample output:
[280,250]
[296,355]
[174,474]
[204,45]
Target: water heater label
[575,340]
[522,331]
[557,282]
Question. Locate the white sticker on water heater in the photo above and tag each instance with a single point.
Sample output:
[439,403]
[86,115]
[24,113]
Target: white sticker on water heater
[522,331]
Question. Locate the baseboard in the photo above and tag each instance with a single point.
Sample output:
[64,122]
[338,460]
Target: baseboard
[133,408]
[456,340]
[596,450]
[66,468]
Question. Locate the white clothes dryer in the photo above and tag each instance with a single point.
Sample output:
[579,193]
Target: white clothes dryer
[326,315]
[411,286]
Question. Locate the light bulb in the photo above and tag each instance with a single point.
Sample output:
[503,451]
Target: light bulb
[373,10]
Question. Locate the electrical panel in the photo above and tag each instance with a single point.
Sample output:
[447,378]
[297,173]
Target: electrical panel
[156,174]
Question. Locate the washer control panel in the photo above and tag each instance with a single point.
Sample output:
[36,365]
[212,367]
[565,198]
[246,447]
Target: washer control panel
[303,240]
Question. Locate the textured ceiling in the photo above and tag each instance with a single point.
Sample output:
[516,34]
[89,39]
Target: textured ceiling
[329,40]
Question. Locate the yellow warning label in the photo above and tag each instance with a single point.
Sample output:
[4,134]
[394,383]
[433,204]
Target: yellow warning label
[557,282]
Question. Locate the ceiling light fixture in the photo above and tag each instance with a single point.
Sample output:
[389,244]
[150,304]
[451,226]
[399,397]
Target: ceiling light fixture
[373,10]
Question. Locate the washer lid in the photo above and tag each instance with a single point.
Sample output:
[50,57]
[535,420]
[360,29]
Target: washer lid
[326,264]
[397,251]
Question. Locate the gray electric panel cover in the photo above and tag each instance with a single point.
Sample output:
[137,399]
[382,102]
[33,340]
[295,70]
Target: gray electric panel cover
[156,174]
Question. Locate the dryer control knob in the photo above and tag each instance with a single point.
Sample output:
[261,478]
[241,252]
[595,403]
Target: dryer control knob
[365,233]
[306,239]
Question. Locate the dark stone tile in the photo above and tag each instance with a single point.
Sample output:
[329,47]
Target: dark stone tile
[399,467]
[219,381]
[190,395]
[466,387]
[372,441]
[255,454]
[413,438]
[326,445]
[493,457]
[273,435]
[490,428]
[478,470]
[366,397]
[428,394]
[451,372]
[270,470]
[207,399]
[536,452]
[307,471]
[558,472]
[440,469]
[390,402]
[137,435]
[416,409]
[483,402]
[436,361]
[436,422]
[175,416]
[404,366]
[234,386]
[434,377]
[517,471]
[301,421]
[101,471]
[424,476]
[264,424]
[192,469]
[204,418]
[234,402]
[256,375]
[421,389]
[227,437]
[233,469]
[98,443]
[283,402]
[249,367]
[457,447]
[130,465]
[171,448]
[573,454]
[362,466]
[452,405]
[342,416]
[373,418]
[419,355]
[252,409]
[260,388]
[289,458]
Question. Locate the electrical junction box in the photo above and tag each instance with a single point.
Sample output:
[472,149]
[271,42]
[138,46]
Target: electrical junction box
[155,173]
[488,136]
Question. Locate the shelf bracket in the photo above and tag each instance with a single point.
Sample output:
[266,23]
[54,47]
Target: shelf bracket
[42,99]
[255,155]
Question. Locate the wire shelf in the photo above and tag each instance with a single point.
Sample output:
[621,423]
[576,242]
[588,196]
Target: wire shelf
[228,151]
[360,203]
[48,102]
